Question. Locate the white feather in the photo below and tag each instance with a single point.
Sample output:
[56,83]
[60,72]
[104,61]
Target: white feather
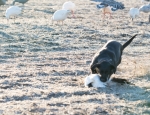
[94,79]
[12,11]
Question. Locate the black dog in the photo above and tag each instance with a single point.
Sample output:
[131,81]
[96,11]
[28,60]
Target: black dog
[105,61]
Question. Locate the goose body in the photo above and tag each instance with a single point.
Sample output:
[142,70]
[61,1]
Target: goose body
[20,1]
[93,80]
[60,15]
[12,11]
[134,12]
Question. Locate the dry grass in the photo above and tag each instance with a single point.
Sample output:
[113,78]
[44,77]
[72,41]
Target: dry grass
[43,65]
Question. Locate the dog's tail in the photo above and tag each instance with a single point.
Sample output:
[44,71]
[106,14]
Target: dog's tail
[128,42]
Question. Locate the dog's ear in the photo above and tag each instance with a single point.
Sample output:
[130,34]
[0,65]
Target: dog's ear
[93,68]
[96,65]
[113,69]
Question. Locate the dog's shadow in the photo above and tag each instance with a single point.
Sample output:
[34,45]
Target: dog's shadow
[127,91]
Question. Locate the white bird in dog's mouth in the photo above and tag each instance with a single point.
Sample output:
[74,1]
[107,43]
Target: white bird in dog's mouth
[93,80]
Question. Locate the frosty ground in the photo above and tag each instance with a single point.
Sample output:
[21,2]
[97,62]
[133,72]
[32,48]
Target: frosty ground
[43,65]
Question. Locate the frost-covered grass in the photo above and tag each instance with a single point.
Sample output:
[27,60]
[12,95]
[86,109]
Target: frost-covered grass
[43,66]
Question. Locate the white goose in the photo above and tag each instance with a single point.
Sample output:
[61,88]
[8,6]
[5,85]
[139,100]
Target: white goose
[93,80]
[134,12]
[69,6]
[12,11]
[60,15]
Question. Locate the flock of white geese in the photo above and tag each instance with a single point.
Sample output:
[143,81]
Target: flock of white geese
[59,15]
[70,7]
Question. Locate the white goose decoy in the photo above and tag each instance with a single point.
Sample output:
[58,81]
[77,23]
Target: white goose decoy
[12,11]
[93,80]
[60,15]
[134,12]
[2,2]
[69,6]
[20,1]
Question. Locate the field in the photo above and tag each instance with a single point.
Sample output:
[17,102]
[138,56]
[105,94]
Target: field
[43,65]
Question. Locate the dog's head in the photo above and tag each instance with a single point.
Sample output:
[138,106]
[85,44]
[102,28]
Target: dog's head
[105,69]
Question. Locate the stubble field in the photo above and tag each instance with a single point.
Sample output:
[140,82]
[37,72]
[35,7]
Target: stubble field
[43,65]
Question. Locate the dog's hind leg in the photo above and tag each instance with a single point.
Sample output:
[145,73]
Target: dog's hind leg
[119,80]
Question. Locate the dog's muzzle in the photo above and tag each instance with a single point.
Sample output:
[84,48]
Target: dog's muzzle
[104,79]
